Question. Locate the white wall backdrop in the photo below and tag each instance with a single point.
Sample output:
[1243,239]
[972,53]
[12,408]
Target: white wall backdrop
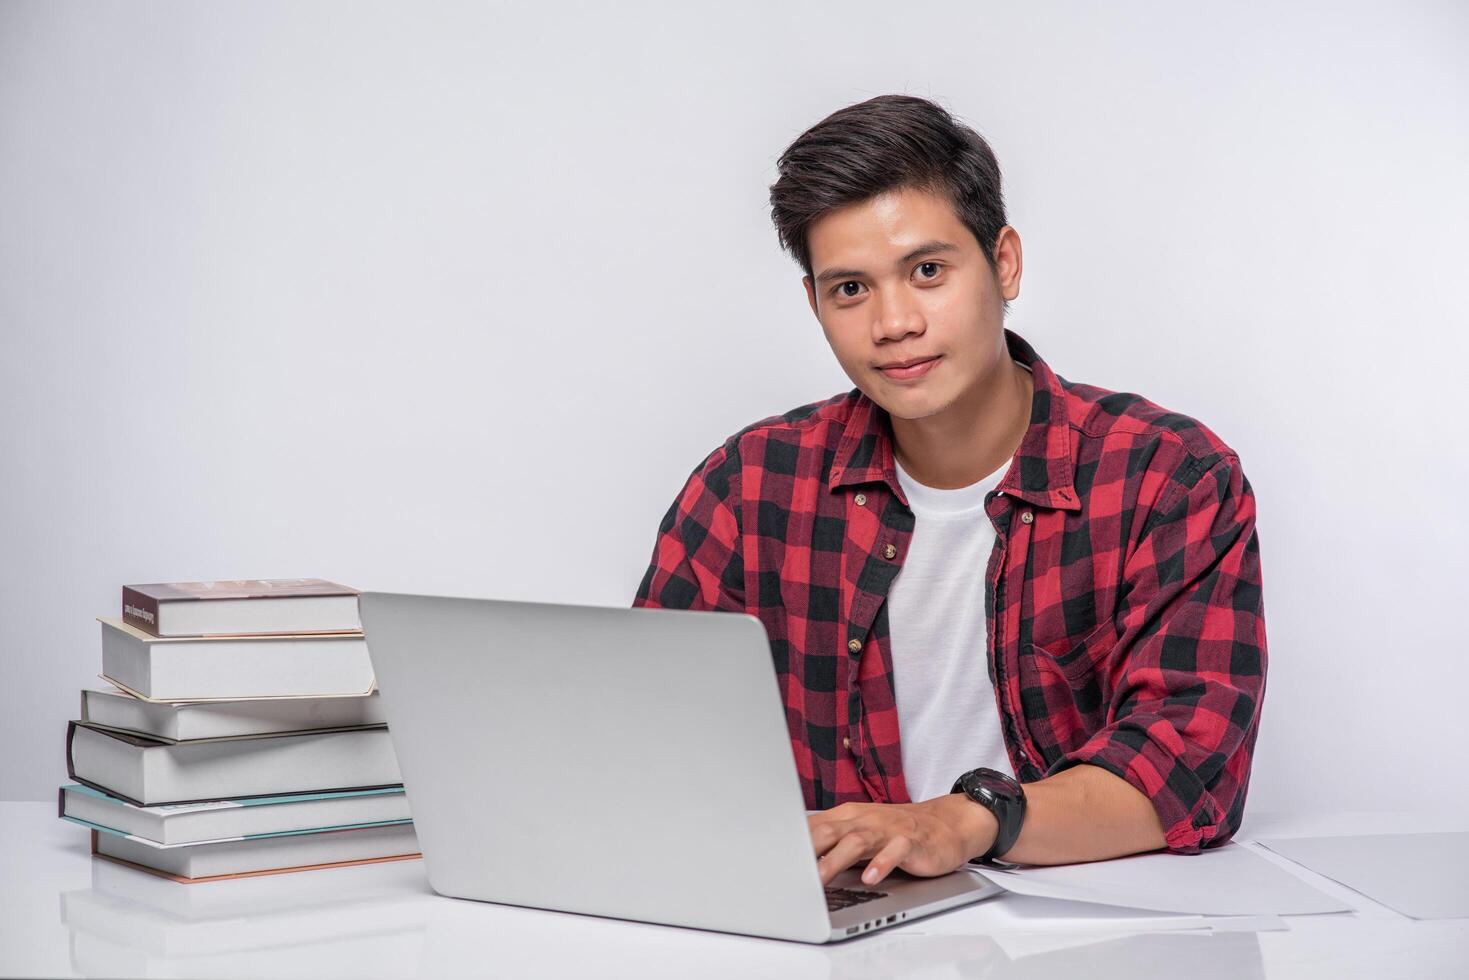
[452,298]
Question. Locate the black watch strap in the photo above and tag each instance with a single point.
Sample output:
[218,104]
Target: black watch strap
[1003,796]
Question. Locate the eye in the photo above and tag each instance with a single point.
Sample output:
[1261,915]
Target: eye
[842,288]
[934,265]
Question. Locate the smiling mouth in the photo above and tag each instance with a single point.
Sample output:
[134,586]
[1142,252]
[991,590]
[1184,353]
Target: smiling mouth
[913,369]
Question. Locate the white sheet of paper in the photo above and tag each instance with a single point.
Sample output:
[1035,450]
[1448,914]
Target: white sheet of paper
[1423,876]
[1229,880]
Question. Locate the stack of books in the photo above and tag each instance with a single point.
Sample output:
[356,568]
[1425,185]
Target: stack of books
[243,736]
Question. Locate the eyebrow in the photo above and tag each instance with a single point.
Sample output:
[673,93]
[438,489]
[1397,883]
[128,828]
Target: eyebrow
[927,248]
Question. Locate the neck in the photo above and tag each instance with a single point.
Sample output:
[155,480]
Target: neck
[974,436]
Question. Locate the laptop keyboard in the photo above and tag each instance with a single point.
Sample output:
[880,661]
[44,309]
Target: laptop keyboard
[845,898]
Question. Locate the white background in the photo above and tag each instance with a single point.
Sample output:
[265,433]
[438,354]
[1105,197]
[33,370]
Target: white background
[451,298]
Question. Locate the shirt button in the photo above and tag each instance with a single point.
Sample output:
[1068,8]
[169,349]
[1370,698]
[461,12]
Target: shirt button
[890,551]
[854,645]
[1026,517]
[861,500]
[847,743]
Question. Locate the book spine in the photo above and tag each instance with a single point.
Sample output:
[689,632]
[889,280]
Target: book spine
[140,611]
[71,730]
[71,769]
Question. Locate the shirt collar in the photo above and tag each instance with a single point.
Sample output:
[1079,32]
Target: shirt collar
[1040,473]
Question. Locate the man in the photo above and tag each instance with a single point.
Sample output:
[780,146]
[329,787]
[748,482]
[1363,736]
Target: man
[1027,576]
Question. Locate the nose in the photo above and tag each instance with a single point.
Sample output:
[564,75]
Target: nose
[897,317]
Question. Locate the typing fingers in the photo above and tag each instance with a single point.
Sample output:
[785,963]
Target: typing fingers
[826,832]
[851,848]
[891,855]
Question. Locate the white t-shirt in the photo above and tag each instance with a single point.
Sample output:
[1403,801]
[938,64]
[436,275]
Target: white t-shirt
[948,721]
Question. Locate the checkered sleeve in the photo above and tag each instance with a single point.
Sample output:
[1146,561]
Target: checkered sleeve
[697,562]
[1190,659]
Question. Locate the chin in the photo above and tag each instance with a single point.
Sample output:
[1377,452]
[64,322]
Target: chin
[920,406]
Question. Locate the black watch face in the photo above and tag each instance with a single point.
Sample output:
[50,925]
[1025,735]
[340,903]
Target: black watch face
[995,784]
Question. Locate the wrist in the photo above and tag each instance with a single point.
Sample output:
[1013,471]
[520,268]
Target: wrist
[1000,795]
[976,825]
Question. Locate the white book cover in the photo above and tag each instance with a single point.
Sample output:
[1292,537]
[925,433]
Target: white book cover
[295,852]
[225,667]
[148,772]
[184,721]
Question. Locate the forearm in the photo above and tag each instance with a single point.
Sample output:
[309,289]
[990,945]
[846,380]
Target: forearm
[1084,813]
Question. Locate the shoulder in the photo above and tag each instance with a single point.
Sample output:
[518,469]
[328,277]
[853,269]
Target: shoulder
[1153,454]
[776,442]
[806,422]
[1106,420]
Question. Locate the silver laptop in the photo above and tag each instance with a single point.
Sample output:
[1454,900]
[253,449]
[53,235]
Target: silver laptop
[632,763]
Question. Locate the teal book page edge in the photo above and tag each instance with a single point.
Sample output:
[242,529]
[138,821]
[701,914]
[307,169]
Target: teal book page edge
[253,800]
[221,840]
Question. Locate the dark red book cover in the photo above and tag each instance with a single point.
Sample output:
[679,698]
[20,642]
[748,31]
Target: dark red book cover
[140,602]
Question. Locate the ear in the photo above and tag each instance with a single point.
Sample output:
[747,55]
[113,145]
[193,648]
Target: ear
[1008,262]
[810,294]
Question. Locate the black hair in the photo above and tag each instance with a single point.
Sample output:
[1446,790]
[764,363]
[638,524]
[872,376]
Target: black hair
[886,143]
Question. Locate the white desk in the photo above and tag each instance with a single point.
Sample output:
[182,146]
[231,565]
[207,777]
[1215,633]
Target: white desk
[62,914]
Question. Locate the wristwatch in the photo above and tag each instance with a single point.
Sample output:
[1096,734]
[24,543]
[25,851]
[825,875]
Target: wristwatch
[1003,796]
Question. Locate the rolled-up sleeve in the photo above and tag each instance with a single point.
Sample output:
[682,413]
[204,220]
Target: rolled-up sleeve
[1190,659]
[697,562]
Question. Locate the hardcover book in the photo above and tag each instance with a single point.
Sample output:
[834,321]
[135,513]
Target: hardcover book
[227,667]
[216,820]
[147,772]
[242,606]
[272,855]
[193,721]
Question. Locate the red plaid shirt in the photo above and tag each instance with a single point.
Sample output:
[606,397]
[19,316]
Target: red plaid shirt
[1123,594]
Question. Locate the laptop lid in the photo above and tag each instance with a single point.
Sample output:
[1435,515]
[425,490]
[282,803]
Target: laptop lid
[632,763]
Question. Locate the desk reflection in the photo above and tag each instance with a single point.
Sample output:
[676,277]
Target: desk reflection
[384,921]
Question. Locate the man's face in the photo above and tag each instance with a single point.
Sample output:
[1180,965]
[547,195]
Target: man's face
[899,278]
